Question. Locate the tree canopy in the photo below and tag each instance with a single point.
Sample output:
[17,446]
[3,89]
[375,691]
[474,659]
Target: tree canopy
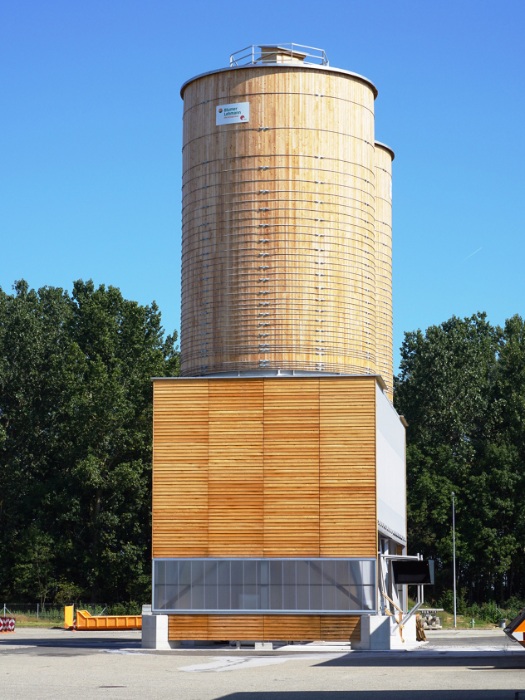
[75,441]
[461,388]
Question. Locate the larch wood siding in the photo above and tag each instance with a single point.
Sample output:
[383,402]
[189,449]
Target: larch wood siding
[272,467]
[347,468]
[180,469]
[278,252]
[235,469]
[263,627]
[383,228]
[291,468]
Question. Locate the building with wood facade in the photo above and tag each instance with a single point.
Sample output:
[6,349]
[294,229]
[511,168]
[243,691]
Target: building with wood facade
[278,458]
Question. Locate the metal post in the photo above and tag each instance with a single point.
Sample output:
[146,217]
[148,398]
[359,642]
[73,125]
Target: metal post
[454,553]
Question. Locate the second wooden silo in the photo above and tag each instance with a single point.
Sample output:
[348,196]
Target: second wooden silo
[383,260]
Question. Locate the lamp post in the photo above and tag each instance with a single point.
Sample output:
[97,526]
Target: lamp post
[454,553]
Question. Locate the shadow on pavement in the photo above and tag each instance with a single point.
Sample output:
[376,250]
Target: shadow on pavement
[71,642]
[473,660]
[381,695]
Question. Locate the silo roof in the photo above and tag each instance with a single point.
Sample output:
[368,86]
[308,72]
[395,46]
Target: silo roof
[387,148]
[297,53]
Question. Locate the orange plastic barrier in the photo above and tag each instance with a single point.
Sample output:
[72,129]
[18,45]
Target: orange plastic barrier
[86,621]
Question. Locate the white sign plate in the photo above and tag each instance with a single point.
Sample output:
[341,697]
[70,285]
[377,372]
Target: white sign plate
[236,113]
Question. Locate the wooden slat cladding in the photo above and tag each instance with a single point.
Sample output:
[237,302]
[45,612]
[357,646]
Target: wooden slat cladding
[180,469]
[347,468]
[336,628]
[383,226]
[235,469]
[216,627]
[188,627]
[291,468]
[274,467]
[292,628]
[355,635]
[263,627]
[238,627]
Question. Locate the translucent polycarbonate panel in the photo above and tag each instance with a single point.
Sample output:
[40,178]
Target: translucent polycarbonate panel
[264,585]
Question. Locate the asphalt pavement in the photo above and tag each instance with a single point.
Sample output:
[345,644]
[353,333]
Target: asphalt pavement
[454,665]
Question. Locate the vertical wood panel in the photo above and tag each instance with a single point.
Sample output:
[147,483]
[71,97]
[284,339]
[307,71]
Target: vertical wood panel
[291,467]
[348,514]
[180,473]
[236,468]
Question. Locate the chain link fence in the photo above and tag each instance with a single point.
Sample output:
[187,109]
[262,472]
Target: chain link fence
[38,611]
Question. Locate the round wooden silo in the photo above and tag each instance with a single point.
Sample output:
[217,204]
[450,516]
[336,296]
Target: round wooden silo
[279,240]
[383,224]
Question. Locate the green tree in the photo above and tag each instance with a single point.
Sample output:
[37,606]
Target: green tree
[75,440]
[504,465]
[446,390]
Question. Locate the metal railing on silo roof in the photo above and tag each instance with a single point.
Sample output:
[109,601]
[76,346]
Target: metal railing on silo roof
[278,53]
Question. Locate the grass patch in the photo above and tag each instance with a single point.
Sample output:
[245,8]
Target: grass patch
[463,622]
[25,620]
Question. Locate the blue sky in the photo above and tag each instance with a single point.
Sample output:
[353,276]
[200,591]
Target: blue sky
[91,122]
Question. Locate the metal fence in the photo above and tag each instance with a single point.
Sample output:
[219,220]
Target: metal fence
[278,53]
[44,612]
[37,611]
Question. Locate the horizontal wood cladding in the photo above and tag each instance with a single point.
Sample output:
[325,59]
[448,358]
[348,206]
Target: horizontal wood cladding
[292,627]
[180,469]
[383,226]
[291,467]
[347,468]
[235,469]
[188,627]
[355,635]
[263,627]
[336,628]
[264,467]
